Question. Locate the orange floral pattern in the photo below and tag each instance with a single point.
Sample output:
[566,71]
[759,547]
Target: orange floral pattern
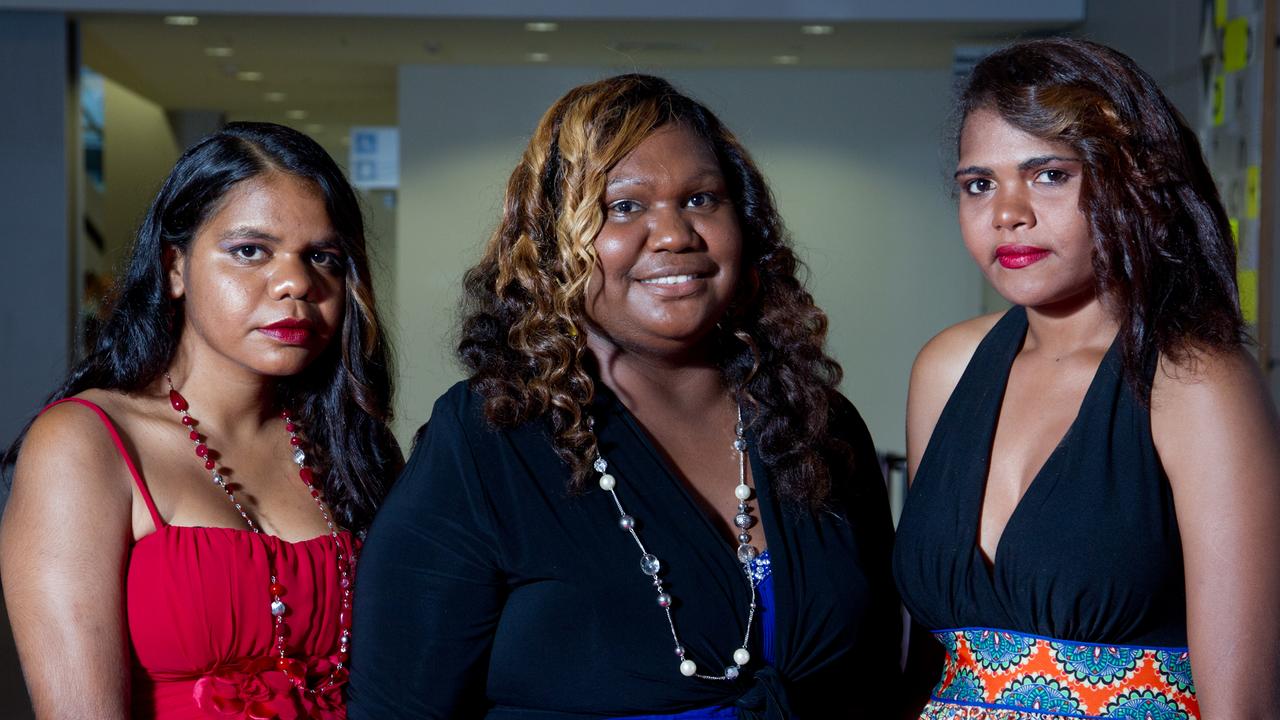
[1004,675]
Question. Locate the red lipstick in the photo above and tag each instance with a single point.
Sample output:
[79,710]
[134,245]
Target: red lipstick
[1014,257]
[290,331]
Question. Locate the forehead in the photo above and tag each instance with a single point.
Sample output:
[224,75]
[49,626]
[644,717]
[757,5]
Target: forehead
[671,150]
[272,197]
[988,139]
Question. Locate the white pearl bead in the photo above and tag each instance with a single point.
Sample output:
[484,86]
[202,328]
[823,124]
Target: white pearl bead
[742,492]
[688,668]
[607,482]
[741,656]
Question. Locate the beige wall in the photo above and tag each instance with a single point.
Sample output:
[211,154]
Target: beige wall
[854,158]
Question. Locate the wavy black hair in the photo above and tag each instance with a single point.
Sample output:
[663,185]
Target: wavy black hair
[1162,246]
[343,398]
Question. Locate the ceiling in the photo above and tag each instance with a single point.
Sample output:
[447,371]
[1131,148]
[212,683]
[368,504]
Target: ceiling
[342,71]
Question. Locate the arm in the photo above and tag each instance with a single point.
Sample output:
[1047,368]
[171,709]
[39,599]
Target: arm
[1219,440]
[64,544]
[428,590]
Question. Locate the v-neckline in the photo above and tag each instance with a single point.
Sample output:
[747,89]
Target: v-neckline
[989,565]
[647,442]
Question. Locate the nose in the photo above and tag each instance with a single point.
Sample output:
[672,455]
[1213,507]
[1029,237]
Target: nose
[671,230]
[1012,210]
[292,279]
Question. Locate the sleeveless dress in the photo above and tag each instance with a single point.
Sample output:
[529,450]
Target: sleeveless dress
[200,625]
[1083,612]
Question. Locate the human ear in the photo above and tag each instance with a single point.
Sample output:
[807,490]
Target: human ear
[175,268]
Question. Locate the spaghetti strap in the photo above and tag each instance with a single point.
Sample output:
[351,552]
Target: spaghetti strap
[115,438]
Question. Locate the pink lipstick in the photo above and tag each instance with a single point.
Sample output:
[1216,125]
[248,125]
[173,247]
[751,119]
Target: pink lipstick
[1015,257]
[290,331]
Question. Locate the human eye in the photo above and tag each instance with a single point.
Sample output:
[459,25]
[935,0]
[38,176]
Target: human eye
[326,259]
[622,208]
[977,186]
[1052,176]
[702,200]
[248,252]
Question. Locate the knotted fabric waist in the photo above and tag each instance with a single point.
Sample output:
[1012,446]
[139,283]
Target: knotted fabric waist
[1005,675]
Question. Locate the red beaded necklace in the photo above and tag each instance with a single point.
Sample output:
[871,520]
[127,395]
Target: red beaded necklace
[294,669]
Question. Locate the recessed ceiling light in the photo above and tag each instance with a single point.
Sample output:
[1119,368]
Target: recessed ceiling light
[537,57]
[817,29]
[541,26]
[296,114]
[182,20]
[314,128]
[786,59]
[219,52]
[273,97]
[249,75]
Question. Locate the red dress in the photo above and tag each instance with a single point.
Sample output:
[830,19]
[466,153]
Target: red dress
[200,625]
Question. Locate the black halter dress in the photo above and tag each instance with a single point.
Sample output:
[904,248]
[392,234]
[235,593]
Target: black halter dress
[1082,614]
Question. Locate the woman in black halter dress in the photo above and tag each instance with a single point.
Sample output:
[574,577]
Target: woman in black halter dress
[1096,473]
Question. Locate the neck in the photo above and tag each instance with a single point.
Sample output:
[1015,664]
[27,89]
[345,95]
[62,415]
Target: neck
[1062,328]
[222,394]
[687,383]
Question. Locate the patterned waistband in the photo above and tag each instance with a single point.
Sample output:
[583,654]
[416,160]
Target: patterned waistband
[1006,675]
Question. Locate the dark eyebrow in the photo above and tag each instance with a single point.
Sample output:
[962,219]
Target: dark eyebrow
[975,170]
[702,175]
[248,232]
[1035,162]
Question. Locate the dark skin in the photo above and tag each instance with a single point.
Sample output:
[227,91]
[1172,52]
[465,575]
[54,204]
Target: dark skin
[668,265]
[75,511]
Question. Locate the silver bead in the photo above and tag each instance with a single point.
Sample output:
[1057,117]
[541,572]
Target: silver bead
[626,522]
[743,520]
[739,444]
[744,538]
[679,651]
[218,480]
[739,428]
[278,607]
[649,564]
[600,465]
[731,672]
[746,553]
[664,600]
[299,456]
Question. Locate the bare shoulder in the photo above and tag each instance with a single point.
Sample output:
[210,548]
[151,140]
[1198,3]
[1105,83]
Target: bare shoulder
[942,360]
[935,375]
[69,447]
[1211,411]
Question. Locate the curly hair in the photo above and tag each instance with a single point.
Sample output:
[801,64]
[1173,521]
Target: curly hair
[1162,247]
[523,303]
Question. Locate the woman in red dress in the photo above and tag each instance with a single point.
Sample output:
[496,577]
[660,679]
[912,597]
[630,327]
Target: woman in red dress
[179,538]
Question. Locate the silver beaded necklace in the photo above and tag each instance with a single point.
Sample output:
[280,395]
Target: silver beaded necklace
[651,566]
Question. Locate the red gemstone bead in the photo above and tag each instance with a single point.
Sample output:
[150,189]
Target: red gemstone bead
[208,464]
[277,590]
[290,427]
[295,669]
[282,663]
[344,619]
[194,435]
[307,476]
[315,493]
[295,441]
[178,402]
[284,414]
[188,420]
[202,450]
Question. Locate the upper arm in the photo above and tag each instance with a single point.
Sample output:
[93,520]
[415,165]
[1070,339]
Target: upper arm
[934,375]
[428,590]
[1217,435]
[64,542]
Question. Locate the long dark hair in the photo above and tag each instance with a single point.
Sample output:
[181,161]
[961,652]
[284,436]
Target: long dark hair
[1163,251]
[523,306]
[343,398]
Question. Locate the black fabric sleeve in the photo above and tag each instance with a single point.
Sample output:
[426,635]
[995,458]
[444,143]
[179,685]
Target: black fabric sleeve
[428,588]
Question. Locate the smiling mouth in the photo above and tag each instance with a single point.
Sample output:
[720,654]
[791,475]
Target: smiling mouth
[669,280]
